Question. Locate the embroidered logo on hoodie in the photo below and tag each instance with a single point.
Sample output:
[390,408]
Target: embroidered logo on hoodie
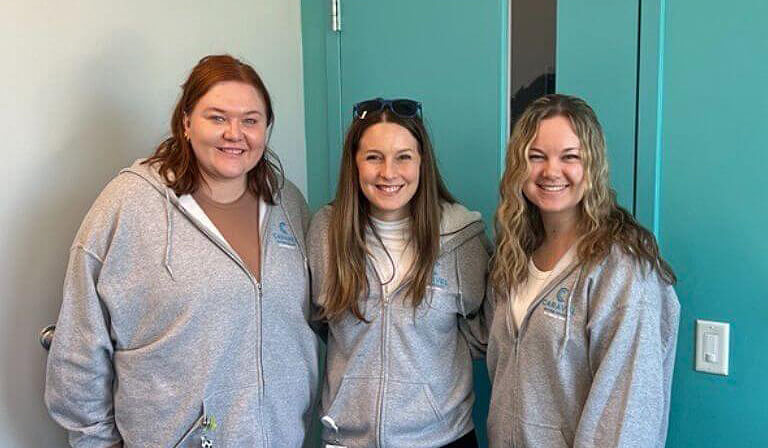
[555,306]
[438,282]
[283,236]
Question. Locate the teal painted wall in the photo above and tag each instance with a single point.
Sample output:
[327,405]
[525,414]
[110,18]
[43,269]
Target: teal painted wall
[713,212]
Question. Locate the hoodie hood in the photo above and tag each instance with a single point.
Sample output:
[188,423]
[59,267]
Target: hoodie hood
[150,174]
[457,225]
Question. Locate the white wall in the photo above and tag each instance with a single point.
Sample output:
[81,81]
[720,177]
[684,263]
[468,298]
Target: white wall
[86,86]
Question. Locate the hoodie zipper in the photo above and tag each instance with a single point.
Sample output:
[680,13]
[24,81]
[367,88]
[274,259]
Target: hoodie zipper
[386,299]
[518,335]
[384,357]
[258,289]
[259,308]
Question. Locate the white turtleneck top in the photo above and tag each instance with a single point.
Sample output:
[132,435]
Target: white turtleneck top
[395,236]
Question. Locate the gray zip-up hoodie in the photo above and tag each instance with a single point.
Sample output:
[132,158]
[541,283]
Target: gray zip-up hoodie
[165,339]
[405,378]
[591,365]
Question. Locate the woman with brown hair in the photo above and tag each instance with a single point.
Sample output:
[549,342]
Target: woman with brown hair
[583,317]
[185,310]
[396,265]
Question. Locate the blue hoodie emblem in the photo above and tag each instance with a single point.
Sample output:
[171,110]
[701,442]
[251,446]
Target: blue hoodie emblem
[438,281]
[283,236]
[555,307]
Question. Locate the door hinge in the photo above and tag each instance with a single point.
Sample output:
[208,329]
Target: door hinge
[336,15]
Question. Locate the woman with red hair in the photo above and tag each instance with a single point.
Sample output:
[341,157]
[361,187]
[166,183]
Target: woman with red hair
[184,318]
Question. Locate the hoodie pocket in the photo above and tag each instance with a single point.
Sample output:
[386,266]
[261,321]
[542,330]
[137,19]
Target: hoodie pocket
[543,435]
[409,408]
[233,418]
[354,411]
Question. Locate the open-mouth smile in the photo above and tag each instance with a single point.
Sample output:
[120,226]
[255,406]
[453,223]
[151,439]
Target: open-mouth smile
[552,188]
[230,150]
[389,189]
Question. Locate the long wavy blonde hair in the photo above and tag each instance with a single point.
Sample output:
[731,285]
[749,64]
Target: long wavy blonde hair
[346,279]
[603,222]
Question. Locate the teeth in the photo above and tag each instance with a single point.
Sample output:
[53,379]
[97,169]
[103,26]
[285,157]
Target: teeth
[389,188]
[233,151]
[553,187]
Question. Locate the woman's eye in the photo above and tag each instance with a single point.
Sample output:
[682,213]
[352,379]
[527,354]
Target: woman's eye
[405,157]
[372,157]
[571,157]
[535,157]
[217,118]
[250,121]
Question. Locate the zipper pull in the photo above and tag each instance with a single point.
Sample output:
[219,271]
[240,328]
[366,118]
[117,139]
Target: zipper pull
[208,424]
[258,288]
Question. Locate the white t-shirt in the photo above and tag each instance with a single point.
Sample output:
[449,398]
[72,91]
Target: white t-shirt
[537,280]
[395,235]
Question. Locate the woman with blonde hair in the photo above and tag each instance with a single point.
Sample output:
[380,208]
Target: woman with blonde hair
[396,264]
[582,316]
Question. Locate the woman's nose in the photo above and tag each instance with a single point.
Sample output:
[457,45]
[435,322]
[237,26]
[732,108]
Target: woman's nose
[388,169]
[551,169]
[233,131]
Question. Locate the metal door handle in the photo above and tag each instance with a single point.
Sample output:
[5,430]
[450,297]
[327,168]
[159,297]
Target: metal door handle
[46,336]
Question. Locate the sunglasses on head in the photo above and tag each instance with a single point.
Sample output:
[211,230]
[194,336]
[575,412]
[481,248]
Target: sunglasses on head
[401,107]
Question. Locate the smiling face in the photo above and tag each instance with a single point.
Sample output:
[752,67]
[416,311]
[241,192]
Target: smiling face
[556,181]
[388,162]
[227,129]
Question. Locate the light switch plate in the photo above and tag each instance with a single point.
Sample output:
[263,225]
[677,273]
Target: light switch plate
[712,341]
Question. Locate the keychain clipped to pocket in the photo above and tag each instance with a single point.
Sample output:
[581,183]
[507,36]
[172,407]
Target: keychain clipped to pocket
[335,442]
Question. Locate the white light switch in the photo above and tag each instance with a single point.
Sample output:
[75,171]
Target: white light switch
[712,347]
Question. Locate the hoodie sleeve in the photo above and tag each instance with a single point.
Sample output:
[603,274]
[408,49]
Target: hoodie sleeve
[633,333]
[476,328]
[472,265]
[79,375]
[317,250]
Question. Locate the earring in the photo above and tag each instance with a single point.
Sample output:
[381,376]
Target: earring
[186,135]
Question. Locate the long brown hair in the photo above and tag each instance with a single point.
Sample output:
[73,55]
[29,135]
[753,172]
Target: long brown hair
[175,157]
[346,280]
[604,223]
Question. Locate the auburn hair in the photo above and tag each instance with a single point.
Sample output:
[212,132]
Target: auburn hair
[175,158]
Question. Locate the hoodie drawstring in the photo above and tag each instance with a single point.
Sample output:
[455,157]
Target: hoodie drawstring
[460,299]
[567,335]
[168,234]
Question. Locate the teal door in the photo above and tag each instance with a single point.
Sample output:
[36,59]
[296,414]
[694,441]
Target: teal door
[448,54]
[597,59]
